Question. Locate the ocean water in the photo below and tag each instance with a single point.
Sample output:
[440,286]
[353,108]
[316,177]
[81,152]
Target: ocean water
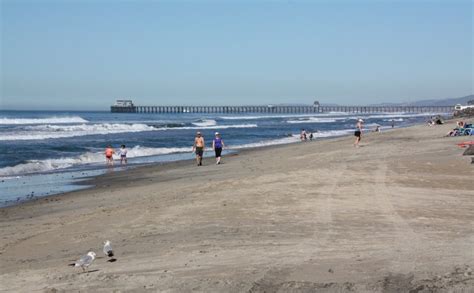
[44,153]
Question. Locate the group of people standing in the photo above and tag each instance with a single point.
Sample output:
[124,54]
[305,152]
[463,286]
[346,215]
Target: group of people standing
[199,147]
[304,135]
[110,152]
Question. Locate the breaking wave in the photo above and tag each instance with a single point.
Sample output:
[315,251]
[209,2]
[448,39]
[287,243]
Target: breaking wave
[314,120]
[88,158]
[205,123]
[47,165]
[61,131]
[394,120]
[243,117]
[37,132]
[399,115]
[214,127]
[292,139]
[49,120]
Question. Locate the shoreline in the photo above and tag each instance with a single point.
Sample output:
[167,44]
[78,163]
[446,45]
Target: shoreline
[100,181]
[394,214]
[48,170]
[92,180]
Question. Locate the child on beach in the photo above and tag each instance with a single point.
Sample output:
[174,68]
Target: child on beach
[217,145]
[109,155]
[123,155]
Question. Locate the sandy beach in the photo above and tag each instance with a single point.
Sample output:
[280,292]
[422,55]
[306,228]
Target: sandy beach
[395,215]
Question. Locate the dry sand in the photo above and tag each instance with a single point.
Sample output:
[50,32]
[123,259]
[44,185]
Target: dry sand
[394,215]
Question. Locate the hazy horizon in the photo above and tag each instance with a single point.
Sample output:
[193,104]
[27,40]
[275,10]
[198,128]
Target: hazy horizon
[137,102]
[83,55]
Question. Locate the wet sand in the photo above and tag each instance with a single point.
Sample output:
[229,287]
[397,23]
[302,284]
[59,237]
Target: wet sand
[394,215]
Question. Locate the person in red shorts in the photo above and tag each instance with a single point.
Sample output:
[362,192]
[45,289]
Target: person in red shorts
[109,155]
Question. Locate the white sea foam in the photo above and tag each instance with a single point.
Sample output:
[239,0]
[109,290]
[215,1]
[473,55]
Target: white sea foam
[369,125]
[395,120]
[47,165]
[139,151]
[94,128]
[314,120]
[213,127]
[37,132]
[61,131]
[10,177]
[49,120]
[330,114]
[205,123]
[332,133]
[397,115]
[292,139]
[37,166]
[244,117]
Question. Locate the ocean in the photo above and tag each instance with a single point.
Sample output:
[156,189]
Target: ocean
[45,153]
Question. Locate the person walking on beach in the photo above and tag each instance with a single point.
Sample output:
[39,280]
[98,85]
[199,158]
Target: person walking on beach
[198,148]
[217,145]
[123,155]
[358,132]
[109,155]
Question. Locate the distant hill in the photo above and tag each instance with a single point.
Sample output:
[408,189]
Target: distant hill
[439,102]
[444,102]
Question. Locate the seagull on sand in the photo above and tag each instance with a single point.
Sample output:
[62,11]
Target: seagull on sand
[108,249]
[85,261]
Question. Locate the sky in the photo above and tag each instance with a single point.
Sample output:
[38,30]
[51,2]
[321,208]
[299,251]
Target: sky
[82,55]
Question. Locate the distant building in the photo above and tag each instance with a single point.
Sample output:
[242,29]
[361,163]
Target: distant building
[316,104]
[123,106]
[123,103]
[460,107]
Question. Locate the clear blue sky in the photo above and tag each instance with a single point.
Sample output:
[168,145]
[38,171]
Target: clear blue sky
[85,54]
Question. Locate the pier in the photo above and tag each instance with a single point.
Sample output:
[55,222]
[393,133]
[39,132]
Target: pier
[277,109]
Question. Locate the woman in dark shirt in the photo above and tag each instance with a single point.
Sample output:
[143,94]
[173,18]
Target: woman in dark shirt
[217,145]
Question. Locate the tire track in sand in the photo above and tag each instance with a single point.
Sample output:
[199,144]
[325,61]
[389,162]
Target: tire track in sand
[406,243]
[320,239]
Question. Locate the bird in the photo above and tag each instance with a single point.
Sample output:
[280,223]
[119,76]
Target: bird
[108,249]
[85,261]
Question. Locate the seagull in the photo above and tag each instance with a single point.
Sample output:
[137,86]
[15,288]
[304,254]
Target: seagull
[85,261]
[108,249]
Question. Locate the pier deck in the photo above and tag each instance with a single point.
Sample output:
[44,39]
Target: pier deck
[281,109]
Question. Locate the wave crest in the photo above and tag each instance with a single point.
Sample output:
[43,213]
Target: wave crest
[47,165]
[313,120]
[37,132]
[62,131]
[49,120]
[205,123]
